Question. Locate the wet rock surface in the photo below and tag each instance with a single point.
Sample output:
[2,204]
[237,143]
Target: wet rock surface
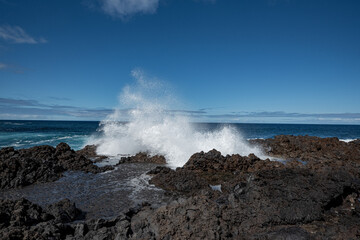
[89,151]
[143,157]
[103,195]
[313,194]
[23,167]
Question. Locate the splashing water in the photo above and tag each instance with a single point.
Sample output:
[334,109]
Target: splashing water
[153,128]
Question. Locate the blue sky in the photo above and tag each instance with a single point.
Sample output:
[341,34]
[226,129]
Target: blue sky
[295,61]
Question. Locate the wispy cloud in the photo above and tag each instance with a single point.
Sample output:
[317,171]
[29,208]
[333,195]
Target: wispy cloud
[21,108]
[280,116]
[18,102]
[124,9]
[127,8]
[265,114]
[18,108]
[16,34]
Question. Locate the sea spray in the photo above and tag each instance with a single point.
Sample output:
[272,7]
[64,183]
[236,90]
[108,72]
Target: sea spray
[153,126]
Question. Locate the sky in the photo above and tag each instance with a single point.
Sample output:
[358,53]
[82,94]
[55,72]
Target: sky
[261,61]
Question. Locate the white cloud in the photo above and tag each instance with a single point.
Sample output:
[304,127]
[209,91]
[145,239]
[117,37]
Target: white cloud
[126,8]
[16,34]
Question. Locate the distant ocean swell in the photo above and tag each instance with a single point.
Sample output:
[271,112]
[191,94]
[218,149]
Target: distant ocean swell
[78,134]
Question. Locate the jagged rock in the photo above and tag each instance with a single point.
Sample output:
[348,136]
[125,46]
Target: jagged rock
[143,158]
[28,166]
[259,199]
[64,211]
[20,213]
[89,151]
[262,200]
[70,160]
[41,164]
[180,181]
[204,169]
[22,219]
[310,148]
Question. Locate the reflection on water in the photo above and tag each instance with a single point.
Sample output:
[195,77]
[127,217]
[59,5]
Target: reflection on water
[100,195]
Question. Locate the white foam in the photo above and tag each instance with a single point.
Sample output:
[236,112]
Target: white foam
[139,184]
[347,140]
[151,127]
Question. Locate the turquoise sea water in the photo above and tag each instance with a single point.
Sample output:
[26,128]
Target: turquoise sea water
[24,134]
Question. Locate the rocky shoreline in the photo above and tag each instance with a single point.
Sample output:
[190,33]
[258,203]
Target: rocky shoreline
[313,194]
[19,168]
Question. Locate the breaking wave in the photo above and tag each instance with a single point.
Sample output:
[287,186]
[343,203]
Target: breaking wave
[152,127]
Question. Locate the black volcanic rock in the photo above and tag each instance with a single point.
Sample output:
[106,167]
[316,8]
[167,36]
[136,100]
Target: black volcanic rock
[40,164]
[211,168]
[310,148]
[64,211]
[89,151]
[25,167]
[178,181]
[22,219]
[21,213]
[143,157]
[256,199]
[259,200]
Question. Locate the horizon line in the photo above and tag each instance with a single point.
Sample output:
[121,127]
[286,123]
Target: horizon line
[70,120]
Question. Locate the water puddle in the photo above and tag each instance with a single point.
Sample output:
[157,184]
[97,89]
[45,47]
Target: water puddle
[100,195]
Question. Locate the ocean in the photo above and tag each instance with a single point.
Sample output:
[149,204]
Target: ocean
[25,134]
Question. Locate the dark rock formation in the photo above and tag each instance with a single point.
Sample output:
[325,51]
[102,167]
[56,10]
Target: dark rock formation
[271,204]
[180,181]
[211,168]
[22,219]
[310,148]
[142,157]
[70,160]
[89,151]
[64,211]
[257,199]
[41,164]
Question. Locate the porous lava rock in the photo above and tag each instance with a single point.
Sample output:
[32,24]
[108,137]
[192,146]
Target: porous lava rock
[89,151]
[143,157]
[310,148]
[21,219]
[314,196]
[259,199]
[41,164]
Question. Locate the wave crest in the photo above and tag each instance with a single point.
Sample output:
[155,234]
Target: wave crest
[153,128]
